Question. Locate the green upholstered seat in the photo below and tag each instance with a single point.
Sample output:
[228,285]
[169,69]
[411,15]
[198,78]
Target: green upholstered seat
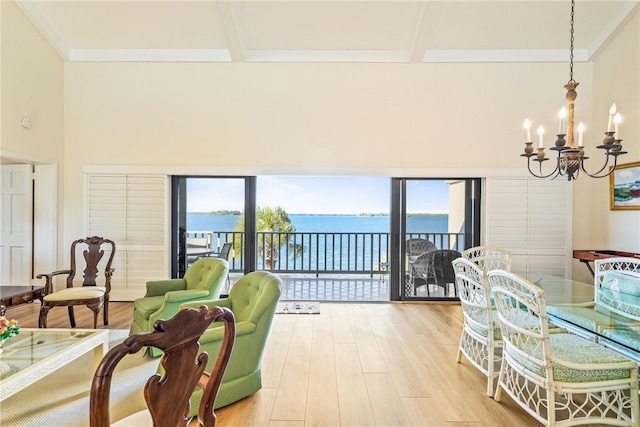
[576,351]
[253,301]
[202,282]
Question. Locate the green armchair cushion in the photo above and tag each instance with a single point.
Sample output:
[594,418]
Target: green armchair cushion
[203,281]
[253,300]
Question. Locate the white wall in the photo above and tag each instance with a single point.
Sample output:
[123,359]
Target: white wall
[32,86]
[281,117]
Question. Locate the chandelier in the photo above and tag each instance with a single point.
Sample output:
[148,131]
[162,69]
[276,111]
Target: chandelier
[570,158]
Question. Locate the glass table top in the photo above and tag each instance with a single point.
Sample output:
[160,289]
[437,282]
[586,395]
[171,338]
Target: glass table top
[570,304]
[35,352]
[560,290]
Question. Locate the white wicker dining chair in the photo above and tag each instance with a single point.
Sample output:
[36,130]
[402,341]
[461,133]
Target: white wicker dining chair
[481,341]
[558,378]
[489,257]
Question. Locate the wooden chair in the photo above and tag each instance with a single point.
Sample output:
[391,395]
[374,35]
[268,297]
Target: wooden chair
[89,294]
[168,395]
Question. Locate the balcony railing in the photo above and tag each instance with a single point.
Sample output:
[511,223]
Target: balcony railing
[320,253]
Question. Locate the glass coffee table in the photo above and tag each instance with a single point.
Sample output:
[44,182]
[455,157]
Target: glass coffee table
[35,353]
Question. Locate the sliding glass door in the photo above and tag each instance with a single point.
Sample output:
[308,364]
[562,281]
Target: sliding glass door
[433,221]
[209,212]
[330,238]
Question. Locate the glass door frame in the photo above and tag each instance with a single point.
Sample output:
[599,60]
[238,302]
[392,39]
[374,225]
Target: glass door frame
[179,221]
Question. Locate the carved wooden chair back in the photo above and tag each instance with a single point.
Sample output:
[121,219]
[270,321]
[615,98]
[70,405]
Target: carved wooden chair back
[167,395]
[93,253]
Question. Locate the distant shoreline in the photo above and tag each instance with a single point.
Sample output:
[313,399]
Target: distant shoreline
[320,214]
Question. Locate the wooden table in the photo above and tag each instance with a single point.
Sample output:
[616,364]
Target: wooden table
[587,256]
[13,295]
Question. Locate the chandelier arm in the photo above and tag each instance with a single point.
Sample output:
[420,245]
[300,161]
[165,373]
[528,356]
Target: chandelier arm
[597,174]
[556,171]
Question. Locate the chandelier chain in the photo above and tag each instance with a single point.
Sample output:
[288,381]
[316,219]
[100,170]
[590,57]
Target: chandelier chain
[573,4]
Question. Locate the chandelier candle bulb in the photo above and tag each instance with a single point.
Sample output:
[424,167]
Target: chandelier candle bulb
[563,118]
[527,126]
[580,133]
[540,137]
[612,112]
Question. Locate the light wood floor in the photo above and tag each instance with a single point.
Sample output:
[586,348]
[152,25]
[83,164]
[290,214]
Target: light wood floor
[361,364]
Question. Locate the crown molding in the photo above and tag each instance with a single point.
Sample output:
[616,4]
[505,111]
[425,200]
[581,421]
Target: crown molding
[150,55]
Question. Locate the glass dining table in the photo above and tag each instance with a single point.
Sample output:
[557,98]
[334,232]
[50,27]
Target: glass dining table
[570,304]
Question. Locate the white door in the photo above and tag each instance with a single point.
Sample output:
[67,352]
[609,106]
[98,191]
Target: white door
[16,206]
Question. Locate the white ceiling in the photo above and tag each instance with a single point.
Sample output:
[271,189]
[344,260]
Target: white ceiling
[325,30]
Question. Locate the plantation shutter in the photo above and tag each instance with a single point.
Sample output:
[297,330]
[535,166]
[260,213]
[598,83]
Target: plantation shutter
[131,211]
[532,218]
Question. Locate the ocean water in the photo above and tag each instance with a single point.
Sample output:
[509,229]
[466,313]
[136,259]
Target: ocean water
[326,223]
[331,252]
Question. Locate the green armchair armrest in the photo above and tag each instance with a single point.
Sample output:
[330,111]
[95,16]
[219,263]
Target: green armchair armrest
[216,333]
[177,296]
[160,287]
[223,302]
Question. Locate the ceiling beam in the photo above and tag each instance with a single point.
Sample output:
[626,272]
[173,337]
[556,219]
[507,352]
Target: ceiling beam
[229,22]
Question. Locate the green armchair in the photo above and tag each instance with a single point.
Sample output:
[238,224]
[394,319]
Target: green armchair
[202,282]
[253,301]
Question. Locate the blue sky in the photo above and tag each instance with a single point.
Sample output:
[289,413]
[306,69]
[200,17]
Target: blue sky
[319,195]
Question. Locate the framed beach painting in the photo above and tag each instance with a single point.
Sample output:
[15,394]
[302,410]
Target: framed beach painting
[625,187]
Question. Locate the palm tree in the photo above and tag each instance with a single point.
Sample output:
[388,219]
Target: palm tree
[275,231]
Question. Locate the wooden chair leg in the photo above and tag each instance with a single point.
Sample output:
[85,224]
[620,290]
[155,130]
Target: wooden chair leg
[42,319]
[106,312]
[72,317]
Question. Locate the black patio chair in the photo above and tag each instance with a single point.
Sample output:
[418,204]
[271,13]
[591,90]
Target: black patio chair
[444,272]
